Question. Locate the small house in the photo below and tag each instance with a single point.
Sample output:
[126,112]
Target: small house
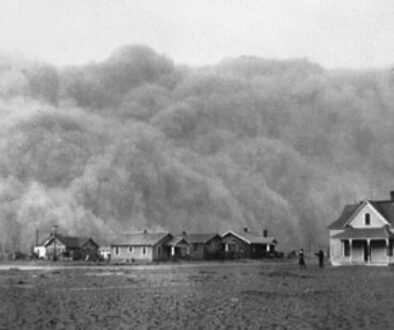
[143,246]
[247,244]
[71,248]
[204,246]
[363,234]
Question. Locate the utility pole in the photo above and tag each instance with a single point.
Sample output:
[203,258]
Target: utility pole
[54,243]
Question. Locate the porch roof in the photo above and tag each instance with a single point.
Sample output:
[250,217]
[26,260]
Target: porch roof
[365,233]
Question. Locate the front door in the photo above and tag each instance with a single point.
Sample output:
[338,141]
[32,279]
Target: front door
[366,252]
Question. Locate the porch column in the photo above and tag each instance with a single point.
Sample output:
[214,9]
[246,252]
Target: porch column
[226,247]
[368,250]
[351,249]
[268,248]
[172,250]
[387,250]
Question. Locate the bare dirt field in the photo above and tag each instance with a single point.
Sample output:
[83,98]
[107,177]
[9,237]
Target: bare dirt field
[238,295]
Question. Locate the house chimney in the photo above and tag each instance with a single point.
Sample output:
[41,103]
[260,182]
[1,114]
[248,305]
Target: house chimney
[392,195]
[246,229]
[265,233]
[184,233]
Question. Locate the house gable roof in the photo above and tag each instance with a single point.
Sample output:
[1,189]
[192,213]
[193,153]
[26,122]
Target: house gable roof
[348,211]
[200,238]
[70,241]
[177,240]
[384,208]
[148,239]
[251,238]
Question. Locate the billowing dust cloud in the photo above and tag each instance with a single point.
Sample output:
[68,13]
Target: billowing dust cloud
[139,142]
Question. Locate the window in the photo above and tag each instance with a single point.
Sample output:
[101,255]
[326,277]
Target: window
[116,250]
[143,250]
[195,247]
[130,248]
[346,248]
[367,219]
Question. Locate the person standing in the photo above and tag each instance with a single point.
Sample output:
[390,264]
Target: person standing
[301,259]
[321,258]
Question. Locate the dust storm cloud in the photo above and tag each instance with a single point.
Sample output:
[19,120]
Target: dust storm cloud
[138,141]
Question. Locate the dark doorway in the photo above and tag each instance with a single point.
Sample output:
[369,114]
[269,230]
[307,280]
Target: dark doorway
[366,252]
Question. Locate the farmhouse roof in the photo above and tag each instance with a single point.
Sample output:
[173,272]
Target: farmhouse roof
[252,238]
[364,233]
[70,241]
[384,207]
[144,238]
[200,238]
[346,214]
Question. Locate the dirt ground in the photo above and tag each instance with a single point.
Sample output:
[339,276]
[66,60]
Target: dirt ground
[249,295]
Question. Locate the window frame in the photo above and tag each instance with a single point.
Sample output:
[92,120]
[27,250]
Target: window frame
[367,219]
[346,248]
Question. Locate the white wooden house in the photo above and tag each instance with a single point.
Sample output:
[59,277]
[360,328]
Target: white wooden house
[363,234]
[143,246]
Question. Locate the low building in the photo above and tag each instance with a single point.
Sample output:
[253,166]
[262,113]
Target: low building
[363,234]
[248,245]
[204,246]
[71,248]
[143,246]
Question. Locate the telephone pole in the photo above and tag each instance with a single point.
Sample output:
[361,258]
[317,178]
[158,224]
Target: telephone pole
[54,243]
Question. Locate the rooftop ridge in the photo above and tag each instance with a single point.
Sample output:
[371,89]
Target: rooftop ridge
[381,201]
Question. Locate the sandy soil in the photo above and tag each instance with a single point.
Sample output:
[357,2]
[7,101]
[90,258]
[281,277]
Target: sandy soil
[203,296]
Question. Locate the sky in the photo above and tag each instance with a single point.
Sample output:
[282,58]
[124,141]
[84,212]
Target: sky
[353,34]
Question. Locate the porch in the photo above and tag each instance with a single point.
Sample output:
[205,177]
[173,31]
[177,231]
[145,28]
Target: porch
[361,246]
[367,251]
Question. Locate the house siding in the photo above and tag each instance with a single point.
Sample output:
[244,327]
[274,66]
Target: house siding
[128,253]
[197,251]
[61,250]
[213,249]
